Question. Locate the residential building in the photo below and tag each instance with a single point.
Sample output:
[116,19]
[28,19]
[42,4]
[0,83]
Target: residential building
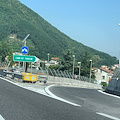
[103,74]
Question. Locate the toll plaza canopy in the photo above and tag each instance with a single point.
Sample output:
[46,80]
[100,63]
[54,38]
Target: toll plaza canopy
[114,83]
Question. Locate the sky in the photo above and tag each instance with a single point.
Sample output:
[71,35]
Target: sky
[94,23]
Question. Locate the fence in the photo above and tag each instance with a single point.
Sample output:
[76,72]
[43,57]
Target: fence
[65,78]
[55,73]
[65,74]
[55,76]
[4,65]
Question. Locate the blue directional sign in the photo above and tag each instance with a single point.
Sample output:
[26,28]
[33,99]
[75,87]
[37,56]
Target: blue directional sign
[24,50]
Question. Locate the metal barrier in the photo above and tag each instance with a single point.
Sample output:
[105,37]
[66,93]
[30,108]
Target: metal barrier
[65,74]
[54,73]
[4,65]
[11,75]
[62,74]
[52,79]
[114,83]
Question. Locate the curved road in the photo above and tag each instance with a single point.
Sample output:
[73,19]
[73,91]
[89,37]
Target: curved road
[17,103]
[90,99]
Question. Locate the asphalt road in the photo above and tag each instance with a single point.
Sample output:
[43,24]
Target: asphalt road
[90,99]
[17,103]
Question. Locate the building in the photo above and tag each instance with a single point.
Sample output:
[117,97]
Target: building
[103,74]
[115,66]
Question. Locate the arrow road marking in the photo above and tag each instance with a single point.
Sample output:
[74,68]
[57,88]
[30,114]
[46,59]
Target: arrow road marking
[1,118]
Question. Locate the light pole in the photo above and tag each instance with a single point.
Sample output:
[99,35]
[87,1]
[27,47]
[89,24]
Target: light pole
[48,63]
[79,63]
[0,58]
[48,57]
[119,52]
[73,64]
[24,41]
[90,69]
[119,59]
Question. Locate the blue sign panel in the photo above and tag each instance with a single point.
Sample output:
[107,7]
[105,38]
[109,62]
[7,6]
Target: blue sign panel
[24,50]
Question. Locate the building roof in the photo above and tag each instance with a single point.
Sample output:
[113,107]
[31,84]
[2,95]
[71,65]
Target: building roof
[106,70]
[95,68]
[54,58]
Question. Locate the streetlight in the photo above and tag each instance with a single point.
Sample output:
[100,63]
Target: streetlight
[48,57]
[24,41]
[79,63]
[119,59]
[48,62]
[119,52]
[90,69]
[0,58]
[73,64]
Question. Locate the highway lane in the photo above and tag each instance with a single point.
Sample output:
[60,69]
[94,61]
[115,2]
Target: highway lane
[90,99]
[17,103]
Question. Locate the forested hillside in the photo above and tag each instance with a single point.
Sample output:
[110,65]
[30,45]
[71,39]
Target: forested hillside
[17,20]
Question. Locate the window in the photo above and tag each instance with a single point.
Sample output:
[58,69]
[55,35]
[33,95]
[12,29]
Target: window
[103,77]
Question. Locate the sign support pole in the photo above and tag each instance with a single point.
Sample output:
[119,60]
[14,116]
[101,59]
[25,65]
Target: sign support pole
[23,67]
[31,67]
[19,66]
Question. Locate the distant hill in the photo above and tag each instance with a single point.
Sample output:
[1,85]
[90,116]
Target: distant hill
[17,21]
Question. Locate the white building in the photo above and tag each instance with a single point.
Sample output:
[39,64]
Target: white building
[102,74]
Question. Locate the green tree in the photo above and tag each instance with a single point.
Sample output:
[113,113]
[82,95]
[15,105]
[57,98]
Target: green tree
[10,58]
[16,18]
[67,63]
[85,66]
[55,67]
[5,50]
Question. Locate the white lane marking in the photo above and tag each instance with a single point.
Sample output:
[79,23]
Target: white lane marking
[58,98]
[108,116]
[108,94]
[1,118]
[26,87]
[41,92]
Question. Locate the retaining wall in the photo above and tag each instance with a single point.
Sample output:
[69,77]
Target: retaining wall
[72,82]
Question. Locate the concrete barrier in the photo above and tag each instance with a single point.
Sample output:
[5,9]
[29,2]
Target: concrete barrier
[57,81]
[72,82]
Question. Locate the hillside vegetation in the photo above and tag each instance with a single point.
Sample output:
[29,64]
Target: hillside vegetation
[18,20]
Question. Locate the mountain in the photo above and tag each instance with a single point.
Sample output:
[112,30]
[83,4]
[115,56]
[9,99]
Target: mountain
[17,21]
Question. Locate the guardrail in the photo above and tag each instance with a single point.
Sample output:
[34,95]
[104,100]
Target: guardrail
[52,80]
[12,75]
[19,76]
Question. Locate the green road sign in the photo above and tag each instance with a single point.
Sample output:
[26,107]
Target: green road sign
[25,58]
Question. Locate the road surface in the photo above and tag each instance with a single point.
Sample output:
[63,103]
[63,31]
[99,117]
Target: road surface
[90,99]
[17,103]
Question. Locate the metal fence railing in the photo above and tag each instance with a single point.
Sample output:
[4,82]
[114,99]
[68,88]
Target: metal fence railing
[55,73]
[4,65]
[65,74]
